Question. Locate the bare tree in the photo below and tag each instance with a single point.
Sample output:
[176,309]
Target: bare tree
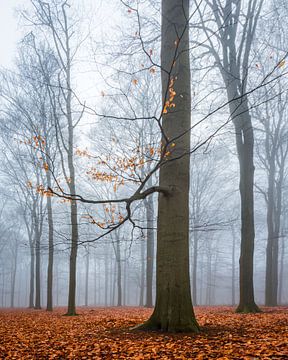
[233,25]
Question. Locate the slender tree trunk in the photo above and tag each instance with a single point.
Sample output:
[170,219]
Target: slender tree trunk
[209,278]
[71,311]
[142,273]
[50,249]
[119,273]
[112,279]
[245,149]
[37,240]
[195,267]
[13,275]
[125,275]
[73,210]
[37,268]
[281,272]
[233,279]
[87,276]
[95,281]
[173,308]
[32,274]
[149,251]
[106,280]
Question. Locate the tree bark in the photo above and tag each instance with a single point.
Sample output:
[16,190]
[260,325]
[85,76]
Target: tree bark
[173,309]
[142,272]
[194,266]
[87,275]
[32,275]
[245,150]
[149,251]
[119,272]
[37,242]
[50,248]
[13,275]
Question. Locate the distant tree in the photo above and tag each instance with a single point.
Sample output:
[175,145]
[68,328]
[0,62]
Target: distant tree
[54,18]
[271,145]
[231,28]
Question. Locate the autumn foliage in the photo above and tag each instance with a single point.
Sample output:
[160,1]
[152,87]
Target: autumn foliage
[105,333]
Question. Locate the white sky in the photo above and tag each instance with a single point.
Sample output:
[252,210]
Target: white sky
[10,32]
[10,29]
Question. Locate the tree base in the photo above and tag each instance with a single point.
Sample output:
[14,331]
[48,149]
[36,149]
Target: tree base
[248,309]
[71,314]
[153,325]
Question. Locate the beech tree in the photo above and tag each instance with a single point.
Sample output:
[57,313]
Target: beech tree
[226,30]
[272,147]
[54,17]
[173,308]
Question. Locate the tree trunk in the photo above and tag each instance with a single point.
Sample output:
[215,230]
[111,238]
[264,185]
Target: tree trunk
[106,281]
[149,251]
[72,187]
[32,274]
[173,309]
[119,272]
[71,311]
[233,267]
[87,276]
[245,148]
[142,273]
[194,266]
[269,296]
[13,275]
[50,249]
[281,272]
[37,265]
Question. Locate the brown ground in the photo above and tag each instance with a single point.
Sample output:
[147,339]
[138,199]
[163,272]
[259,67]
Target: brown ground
[99,333]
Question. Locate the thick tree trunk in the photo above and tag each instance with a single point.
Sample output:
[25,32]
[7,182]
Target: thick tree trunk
[149,251]
[173,309]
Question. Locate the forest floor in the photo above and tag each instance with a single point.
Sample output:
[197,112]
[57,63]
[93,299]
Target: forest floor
[105,333]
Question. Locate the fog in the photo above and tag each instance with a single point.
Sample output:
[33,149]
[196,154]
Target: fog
[82,145]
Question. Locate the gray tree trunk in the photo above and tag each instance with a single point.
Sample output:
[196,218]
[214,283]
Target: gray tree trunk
[119,272]
[245,149]
[32,275]
[142,272]
[37,242]
[13,274]
[173,308]
[50,248]
[194,266]
[87,276]
[149,251]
